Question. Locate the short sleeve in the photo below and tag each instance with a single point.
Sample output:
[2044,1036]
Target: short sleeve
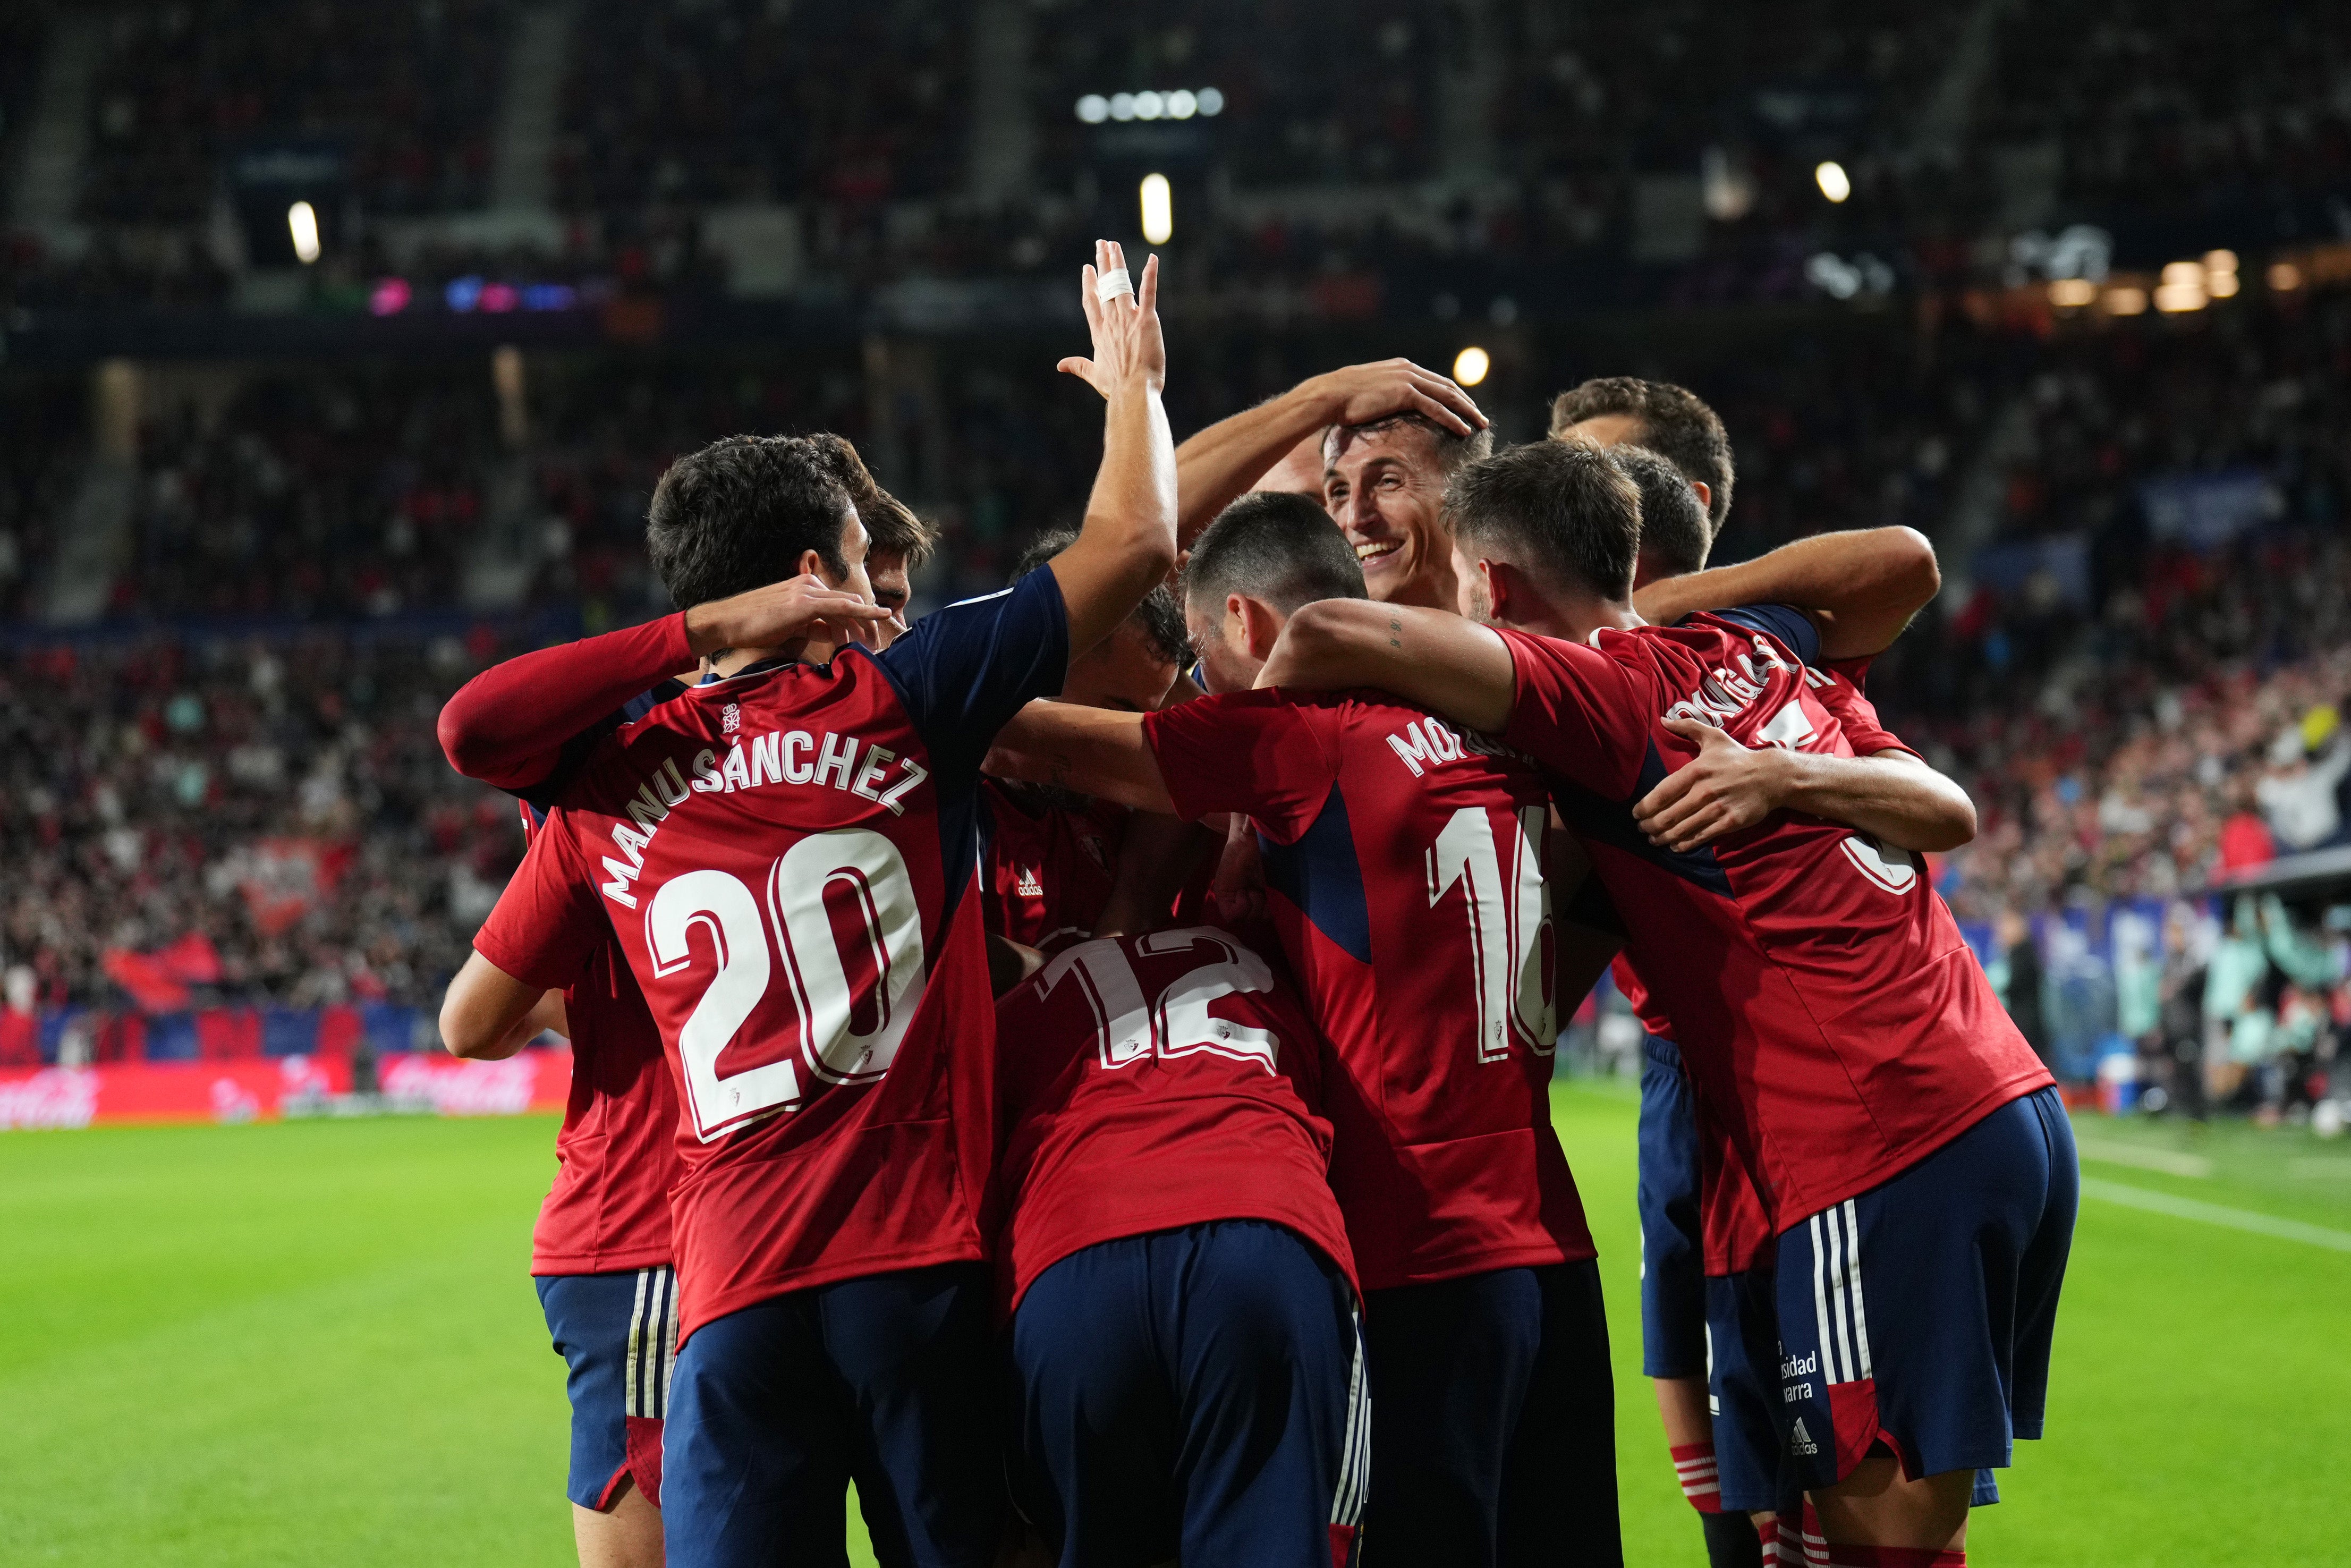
[1579,713]
[1254,752]
[1784,623]
[549,921]
[963,671]
[1856,715]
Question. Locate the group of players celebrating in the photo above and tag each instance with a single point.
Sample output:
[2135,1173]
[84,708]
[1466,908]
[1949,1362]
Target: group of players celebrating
[1115,1130]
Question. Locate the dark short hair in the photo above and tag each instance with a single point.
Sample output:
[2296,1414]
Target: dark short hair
[739,514]
[1672,525]
[890,523]
[1452,451]
[1675,423]
[1274,545]
[1559,506]
[1160,617]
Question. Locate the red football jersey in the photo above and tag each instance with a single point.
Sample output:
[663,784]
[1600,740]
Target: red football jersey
[1049,864]
[617,1150]
[788,858]
[1156,1081]
[1735,1223]
[1404,864]
[1829,1013]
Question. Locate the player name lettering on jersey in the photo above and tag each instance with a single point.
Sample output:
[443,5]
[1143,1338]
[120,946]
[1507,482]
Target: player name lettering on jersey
[1429,742]
[798,756]
[1724,693]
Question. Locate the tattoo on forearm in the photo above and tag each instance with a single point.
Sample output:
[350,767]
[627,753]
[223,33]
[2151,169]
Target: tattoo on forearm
[1395,632]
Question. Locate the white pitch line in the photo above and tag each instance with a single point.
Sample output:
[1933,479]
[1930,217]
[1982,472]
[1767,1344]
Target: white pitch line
[2169,1160]
[2214,1214]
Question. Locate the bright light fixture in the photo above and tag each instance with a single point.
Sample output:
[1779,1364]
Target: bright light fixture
[1149,106]
[302,223]
[2221,286]
[2182,272]
[2072,293]
[1094,109]
[2125,301]
[2173,298]
[1833,181]
[1182,105]
[2219,261]
[1470,365]
[1158,209]
[1122,106]
[1212,102]
[2284,275]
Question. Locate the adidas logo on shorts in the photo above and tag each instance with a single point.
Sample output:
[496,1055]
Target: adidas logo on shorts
[1801,1441]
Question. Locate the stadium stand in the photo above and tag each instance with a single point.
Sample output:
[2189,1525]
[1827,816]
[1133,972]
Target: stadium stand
[399,95]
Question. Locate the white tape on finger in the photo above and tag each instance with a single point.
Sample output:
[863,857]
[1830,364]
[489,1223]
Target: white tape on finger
[1113,283]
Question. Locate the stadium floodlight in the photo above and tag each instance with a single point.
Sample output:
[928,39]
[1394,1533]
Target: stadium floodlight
[1094,109]
[1182,105]
[1158,209]
[2285,276]
[1470,365]
[2219,261]
[1149,106]
[1122,106]
[302,223]
[2072,293]
[1833,181]
[2125,301]
[1212,102]
[2222,284]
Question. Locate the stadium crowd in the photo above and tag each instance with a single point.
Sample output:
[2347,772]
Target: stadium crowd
[239,821]
[864,121]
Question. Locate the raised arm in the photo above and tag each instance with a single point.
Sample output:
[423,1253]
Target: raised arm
[1127,545]
[1431,658]
[1218,465]
[1728,786]
[508,725]
[1861,587]
[1096,751]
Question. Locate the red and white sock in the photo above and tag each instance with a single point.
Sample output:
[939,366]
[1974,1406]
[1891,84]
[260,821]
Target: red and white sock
[1694,1467]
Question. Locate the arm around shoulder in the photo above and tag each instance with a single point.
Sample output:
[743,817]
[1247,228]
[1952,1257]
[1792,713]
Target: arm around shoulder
[1430,658]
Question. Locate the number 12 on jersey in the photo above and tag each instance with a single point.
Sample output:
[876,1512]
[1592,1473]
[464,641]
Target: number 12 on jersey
[1500,871]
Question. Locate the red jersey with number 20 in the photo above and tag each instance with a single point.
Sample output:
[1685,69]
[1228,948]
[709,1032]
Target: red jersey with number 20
[1404,866]
[1157,1081]
[789,859]
[1829,1013]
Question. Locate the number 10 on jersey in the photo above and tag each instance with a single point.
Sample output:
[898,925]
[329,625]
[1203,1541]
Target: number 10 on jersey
[1499,867]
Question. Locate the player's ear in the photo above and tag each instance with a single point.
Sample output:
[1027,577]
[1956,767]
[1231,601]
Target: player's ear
[812,565]
[1261,627]
[1499,582]
[1705,496]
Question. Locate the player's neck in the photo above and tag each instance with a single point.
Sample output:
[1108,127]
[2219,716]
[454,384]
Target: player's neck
[1574,618]
[803,651]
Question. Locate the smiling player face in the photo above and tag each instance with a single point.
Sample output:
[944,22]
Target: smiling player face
[1384,489]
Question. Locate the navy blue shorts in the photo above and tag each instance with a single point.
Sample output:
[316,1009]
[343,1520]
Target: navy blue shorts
[1673,1256]
[886,1381]
[1743,1385]
[1937,1346]
[618,1335]
[1194,1393]
[1493,1422]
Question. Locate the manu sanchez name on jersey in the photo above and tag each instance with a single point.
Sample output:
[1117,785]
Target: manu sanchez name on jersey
[787,859]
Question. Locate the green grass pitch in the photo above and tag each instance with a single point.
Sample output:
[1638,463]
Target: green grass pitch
[315,1344]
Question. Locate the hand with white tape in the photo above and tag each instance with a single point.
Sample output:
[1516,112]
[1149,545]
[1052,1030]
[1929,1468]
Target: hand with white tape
[1128,345]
